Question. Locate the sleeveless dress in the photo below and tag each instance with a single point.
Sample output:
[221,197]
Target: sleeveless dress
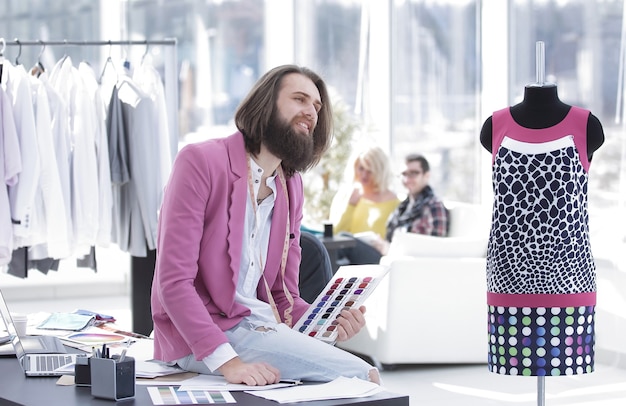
[541,278]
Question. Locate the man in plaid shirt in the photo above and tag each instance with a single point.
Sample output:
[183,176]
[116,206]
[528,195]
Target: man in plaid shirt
[421,212]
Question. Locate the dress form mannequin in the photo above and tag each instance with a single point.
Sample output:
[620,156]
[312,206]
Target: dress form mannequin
[542,108]
[540,270]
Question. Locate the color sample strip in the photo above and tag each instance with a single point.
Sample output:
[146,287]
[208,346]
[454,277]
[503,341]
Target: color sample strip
[169,395]
[342,293]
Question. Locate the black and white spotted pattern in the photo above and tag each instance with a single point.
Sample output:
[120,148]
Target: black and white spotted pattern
[539,241]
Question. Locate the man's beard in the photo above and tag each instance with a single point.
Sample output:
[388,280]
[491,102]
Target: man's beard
[294,148]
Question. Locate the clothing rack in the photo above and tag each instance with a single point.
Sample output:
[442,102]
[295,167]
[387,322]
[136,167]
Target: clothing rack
[170,73]
[170,76]
[142,268]
[17,41]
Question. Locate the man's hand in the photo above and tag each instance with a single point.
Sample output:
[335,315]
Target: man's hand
[350,322]
[382,246]
[256,374]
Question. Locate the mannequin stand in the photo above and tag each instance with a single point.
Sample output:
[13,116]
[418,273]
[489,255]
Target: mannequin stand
[541,391]
[540,71]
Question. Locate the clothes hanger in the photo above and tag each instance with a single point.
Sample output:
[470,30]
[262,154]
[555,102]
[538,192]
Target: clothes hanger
[65,55]
[19,52]
[143,57]
[38,68]
[126,62]
[109,61]
[4,45]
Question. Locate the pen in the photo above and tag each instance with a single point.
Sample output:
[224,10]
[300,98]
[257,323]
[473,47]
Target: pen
[104,351]
[122,356]
[291,381]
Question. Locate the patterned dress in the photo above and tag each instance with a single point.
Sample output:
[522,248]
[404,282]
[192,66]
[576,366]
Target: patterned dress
[540,271]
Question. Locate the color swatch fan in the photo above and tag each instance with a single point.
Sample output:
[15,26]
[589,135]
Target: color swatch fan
[347,289]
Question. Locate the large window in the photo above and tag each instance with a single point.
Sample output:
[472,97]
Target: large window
[408,72]
[583,45]
[435,87]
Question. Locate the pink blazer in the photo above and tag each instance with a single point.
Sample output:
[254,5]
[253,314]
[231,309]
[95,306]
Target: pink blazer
[199,249]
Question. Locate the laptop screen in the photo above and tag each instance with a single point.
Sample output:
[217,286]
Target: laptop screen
[9,328]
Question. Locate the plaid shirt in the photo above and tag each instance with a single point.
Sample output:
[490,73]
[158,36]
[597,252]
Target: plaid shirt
[425,215]
[434,221]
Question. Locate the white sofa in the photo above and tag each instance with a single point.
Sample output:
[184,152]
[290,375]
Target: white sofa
[432,305]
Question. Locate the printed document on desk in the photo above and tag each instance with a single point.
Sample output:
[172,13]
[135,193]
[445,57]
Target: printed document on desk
[340,388]
[67,321]
[215,382]
[169,395]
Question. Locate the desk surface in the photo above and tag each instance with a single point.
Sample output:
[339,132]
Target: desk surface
[37,391]
[338,242]
[333,245]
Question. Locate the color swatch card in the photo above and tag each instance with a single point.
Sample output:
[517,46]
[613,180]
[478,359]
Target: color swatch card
[347,289]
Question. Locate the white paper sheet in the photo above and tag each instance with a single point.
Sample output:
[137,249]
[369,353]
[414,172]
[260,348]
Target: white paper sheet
[340,388]
[214,382]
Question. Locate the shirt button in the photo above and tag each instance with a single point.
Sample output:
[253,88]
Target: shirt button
[256,181]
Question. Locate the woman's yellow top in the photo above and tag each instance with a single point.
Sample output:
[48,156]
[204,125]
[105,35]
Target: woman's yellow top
[367,215]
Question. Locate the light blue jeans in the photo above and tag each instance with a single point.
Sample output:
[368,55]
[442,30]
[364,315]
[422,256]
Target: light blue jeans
[296,355]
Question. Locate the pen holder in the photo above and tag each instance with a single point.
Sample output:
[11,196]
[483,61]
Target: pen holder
[82,371]
[112,379]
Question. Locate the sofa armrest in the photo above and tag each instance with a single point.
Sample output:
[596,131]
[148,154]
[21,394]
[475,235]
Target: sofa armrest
[426,310]
[418,245]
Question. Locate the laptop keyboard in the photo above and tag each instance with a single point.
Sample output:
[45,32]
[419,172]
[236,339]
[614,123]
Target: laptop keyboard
[52,362]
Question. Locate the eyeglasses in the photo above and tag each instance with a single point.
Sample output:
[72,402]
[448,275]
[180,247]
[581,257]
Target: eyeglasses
[411,174]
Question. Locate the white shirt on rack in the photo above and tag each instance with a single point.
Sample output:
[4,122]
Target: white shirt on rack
[50,236]
[62,150]
[66,79]
[22,194]
[105,199]
[10,167]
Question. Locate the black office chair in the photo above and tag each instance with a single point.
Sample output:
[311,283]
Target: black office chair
[315,267]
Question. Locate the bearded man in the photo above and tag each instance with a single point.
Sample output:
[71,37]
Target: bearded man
[225,291]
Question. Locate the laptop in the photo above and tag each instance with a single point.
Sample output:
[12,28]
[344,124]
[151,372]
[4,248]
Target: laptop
[37,355]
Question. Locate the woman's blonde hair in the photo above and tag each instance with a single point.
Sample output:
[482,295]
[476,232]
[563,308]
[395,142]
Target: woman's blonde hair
[375,160]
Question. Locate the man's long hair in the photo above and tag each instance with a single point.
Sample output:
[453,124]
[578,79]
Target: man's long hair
[256,110]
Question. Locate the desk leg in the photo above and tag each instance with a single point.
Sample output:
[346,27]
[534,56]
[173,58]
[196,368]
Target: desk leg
[141,275]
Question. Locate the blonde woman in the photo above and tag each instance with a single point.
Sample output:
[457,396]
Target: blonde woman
[370,204]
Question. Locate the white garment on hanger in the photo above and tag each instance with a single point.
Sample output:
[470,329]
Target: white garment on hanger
[22,194]
[66,79]
[136,205]
[105,202]
[10,167]
[49,239]
[62,147]
[149,80]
